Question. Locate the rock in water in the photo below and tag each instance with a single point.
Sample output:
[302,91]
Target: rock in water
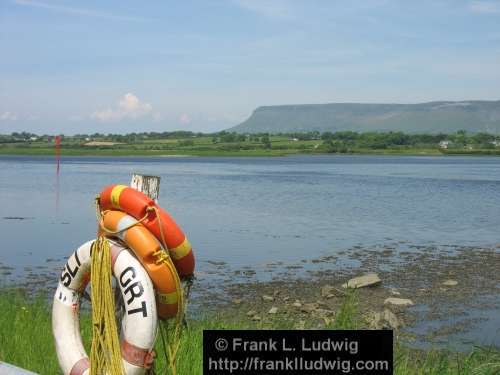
[450,282]
[370,279]
[398,301]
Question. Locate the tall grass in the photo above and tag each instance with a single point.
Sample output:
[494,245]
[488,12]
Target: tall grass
[26,341]
[26,333]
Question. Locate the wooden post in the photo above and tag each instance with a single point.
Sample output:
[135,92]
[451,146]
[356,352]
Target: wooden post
[149,185]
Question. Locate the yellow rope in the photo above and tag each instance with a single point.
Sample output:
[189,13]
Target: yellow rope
[172,347]
[162,257]
[105,355]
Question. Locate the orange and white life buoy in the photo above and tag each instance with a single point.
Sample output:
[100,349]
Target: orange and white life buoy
[156,220]
[149,252]
[139,323]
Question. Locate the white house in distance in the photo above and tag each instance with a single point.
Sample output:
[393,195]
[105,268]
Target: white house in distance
[495,143]
[445,144]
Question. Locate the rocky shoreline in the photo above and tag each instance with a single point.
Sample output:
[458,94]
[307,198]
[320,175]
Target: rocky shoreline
[427,294]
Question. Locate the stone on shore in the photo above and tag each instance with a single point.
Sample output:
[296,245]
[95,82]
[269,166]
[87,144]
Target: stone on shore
[265,297]
[384,320]
[391,319]
[309,307]
[398,301]
[370,279]
[273,310]
[329,291]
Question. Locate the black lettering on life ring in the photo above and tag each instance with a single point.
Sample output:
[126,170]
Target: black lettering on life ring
[69,274]
[134,289]
[141,309]
[129,269]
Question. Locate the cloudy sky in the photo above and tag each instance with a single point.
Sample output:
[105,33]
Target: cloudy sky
[123,66]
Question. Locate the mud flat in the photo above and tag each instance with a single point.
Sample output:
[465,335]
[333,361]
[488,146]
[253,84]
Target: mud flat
[444,296]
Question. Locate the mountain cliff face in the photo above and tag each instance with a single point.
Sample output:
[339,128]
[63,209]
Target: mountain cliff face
[433,117]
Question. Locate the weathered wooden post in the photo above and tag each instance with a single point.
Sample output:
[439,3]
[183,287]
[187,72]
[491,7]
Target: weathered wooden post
[149,185]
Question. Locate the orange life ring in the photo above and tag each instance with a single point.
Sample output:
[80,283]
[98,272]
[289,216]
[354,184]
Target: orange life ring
[148,251]
[137,204]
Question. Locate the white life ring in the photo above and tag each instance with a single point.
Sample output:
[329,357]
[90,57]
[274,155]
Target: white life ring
[139,323]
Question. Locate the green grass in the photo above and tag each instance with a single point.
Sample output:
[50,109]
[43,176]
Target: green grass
[208,150]
[201,146]
[46,151]
[26,333]
[26,341]
[204,146]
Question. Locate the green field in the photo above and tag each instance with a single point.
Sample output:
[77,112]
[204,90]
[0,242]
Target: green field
[203,146]
[232,144]
[26,341]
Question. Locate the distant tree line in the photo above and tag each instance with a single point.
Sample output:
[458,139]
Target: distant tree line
[343,141]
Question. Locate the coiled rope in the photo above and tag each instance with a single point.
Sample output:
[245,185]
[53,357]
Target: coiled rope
[172,346]
[105,354]
[171,338]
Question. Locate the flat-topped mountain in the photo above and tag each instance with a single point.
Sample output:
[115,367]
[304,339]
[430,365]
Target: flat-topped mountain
[433,117]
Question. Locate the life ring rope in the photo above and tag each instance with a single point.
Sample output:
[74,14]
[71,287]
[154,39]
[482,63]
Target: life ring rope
[162,256]
[105,352]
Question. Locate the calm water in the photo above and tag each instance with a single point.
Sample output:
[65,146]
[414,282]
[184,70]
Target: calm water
[249,211]
[252,211]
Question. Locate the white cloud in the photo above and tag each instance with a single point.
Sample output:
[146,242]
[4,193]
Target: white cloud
[184,119]
[129,107]
[74,11]
[8,116]
[481,6]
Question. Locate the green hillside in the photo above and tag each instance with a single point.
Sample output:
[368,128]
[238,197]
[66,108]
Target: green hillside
[433,117]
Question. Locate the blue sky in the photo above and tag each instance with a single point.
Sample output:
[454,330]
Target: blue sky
[124,66]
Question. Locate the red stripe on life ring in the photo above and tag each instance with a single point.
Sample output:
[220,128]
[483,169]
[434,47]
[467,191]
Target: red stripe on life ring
[115,251]
[80,366]
[137,356]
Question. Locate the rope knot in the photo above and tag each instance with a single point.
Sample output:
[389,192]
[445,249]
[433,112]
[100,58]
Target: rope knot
[161,256]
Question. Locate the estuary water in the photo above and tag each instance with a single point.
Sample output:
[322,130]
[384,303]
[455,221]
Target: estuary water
[247,213]
[250,211]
